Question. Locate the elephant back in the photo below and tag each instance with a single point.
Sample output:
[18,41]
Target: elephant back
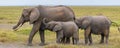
[54,13]
[99,24]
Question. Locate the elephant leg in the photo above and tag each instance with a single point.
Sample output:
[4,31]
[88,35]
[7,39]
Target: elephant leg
[63,40]
[58,39]
[102,39]
[59,36]
[86,34]
[68,40]
[90,39]
[75,38]
[75,41]
[106,36]
[32,33]
[42,36]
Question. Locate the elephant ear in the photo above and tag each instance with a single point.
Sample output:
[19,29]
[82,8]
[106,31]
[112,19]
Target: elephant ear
[34,15]
[57,28]
[85,24]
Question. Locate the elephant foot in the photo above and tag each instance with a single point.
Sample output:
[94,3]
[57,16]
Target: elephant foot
[90,44]
[86,44]
[76,43]
[58,42]
[42,44]
[66,42]
[29,44]
[106,42]
[101,43]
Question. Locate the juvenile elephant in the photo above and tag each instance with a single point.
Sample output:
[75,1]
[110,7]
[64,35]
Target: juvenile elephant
[96,25]
[64,30]
[36,14]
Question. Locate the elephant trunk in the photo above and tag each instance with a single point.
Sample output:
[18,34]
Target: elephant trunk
[77,23]
[44,21]
[19,24]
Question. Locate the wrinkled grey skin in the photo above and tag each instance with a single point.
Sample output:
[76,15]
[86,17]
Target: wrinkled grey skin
[36,14]
[96,25]
[64,30]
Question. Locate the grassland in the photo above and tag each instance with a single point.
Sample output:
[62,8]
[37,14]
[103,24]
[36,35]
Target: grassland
[11,14]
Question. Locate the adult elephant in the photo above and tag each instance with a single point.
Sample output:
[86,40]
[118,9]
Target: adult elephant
[64,30]
[96,25]
[36,14]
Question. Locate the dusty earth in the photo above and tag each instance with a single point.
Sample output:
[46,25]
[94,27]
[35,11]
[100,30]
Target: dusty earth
[6,26]
[9,26]
[18,45]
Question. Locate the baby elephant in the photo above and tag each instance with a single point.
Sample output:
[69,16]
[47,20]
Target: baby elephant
[96,25]
[64,30]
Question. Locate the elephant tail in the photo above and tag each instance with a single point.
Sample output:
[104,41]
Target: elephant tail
[44,21]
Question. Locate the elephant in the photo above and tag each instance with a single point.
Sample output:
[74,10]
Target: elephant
[35,15]
[64,30]
[99,25]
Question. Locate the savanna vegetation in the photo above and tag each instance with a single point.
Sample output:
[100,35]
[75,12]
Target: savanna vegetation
[10,15]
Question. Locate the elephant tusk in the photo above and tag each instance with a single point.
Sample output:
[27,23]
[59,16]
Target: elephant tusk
[18,27]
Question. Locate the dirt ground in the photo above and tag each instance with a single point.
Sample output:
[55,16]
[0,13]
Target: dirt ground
[9,26]
[6,26]
[18,45]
